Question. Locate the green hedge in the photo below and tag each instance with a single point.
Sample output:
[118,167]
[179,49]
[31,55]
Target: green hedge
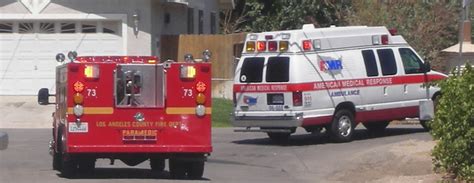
[453,126]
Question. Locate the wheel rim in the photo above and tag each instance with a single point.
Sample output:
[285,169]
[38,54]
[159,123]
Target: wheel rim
[344,126]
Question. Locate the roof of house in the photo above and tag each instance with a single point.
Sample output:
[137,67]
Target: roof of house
[467,47]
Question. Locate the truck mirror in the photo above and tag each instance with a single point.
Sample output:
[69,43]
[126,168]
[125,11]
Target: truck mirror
[43,96]
[426,67]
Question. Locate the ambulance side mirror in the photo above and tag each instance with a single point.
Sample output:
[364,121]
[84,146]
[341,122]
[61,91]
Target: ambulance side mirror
[43,96]
[426,67]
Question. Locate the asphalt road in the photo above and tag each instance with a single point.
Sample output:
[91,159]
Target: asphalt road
[237,157]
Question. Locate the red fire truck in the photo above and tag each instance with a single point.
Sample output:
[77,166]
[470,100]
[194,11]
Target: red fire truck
[131,108]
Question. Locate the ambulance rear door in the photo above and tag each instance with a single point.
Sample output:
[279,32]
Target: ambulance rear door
[262,84]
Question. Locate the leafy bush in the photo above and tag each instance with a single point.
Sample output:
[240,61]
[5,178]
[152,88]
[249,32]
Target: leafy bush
[453,126]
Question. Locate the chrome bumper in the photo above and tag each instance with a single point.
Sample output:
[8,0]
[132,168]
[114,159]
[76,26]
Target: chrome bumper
[294,120]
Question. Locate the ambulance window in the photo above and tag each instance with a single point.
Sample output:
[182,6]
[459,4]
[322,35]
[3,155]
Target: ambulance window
[387,61]
[278,69]
[252,70]
[411,62]
[370,63]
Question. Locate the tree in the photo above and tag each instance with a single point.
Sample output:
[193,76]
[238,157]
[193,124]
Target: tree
[269,15]
[427,26]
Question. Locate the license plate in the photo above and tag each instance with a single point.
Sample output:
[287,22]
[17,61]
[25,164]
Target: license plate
[275,107]
[275,99]
[81,127]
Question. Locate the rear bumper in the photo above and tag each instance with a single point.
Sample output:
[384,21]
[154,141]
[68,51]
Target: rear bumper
[291,120]
[138,149]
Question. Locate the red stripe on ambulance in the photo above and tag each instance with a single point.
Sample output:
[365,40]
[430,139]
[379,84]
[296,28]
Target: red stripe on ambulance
[336,84]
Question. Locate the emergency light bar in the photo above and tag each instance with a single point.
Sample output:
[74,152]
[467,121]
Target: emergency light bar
[262,46]
[307,45]
[380,39]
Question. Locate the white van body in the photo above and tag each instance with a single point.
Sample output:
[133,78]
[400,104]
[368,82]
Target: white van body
[302,78]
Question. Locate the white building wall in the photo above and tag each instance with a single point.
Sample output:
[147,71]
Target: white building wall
[138,44]
[151,14]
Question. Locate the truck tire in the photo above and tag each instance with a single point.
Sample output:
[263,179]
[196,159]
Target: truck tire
[376,127]
[157,164]
[195,169]
[279,137]
[68,167]
[342,126]
[177,169]
[57,155]
[56,161]
[86,165]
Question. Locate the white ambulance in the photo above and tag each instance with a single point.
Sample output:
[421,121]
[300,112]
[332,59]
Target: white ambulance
[332,78]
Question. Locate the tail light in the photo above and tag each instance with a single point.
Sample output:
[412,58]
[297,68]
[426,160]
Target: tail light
[78,86]
[297,98]
[200,99]
[307,45]
[78,98]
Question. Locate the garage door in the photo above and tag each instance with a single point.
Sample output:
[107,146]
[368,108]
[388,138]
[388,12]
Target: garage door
[28,50]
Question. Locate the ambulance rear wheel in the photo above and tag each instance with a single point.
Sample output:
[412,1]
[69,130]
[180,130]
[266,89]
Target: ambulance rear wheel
[342,127]
[195,169]
[157,164]
[279,137]
[177,169]
[376,127]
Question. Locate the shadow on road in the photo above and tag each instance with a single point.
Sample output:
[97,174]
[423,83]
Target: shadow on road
[124,173]
[323,138]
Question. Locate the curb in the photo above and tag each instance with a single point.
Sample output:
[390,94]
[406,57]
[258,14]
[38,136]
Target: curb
[3,140]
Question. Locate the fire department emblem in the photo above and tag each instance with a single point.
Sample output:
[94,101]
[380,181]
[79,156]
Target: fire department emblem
[139,116]
[35,6]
